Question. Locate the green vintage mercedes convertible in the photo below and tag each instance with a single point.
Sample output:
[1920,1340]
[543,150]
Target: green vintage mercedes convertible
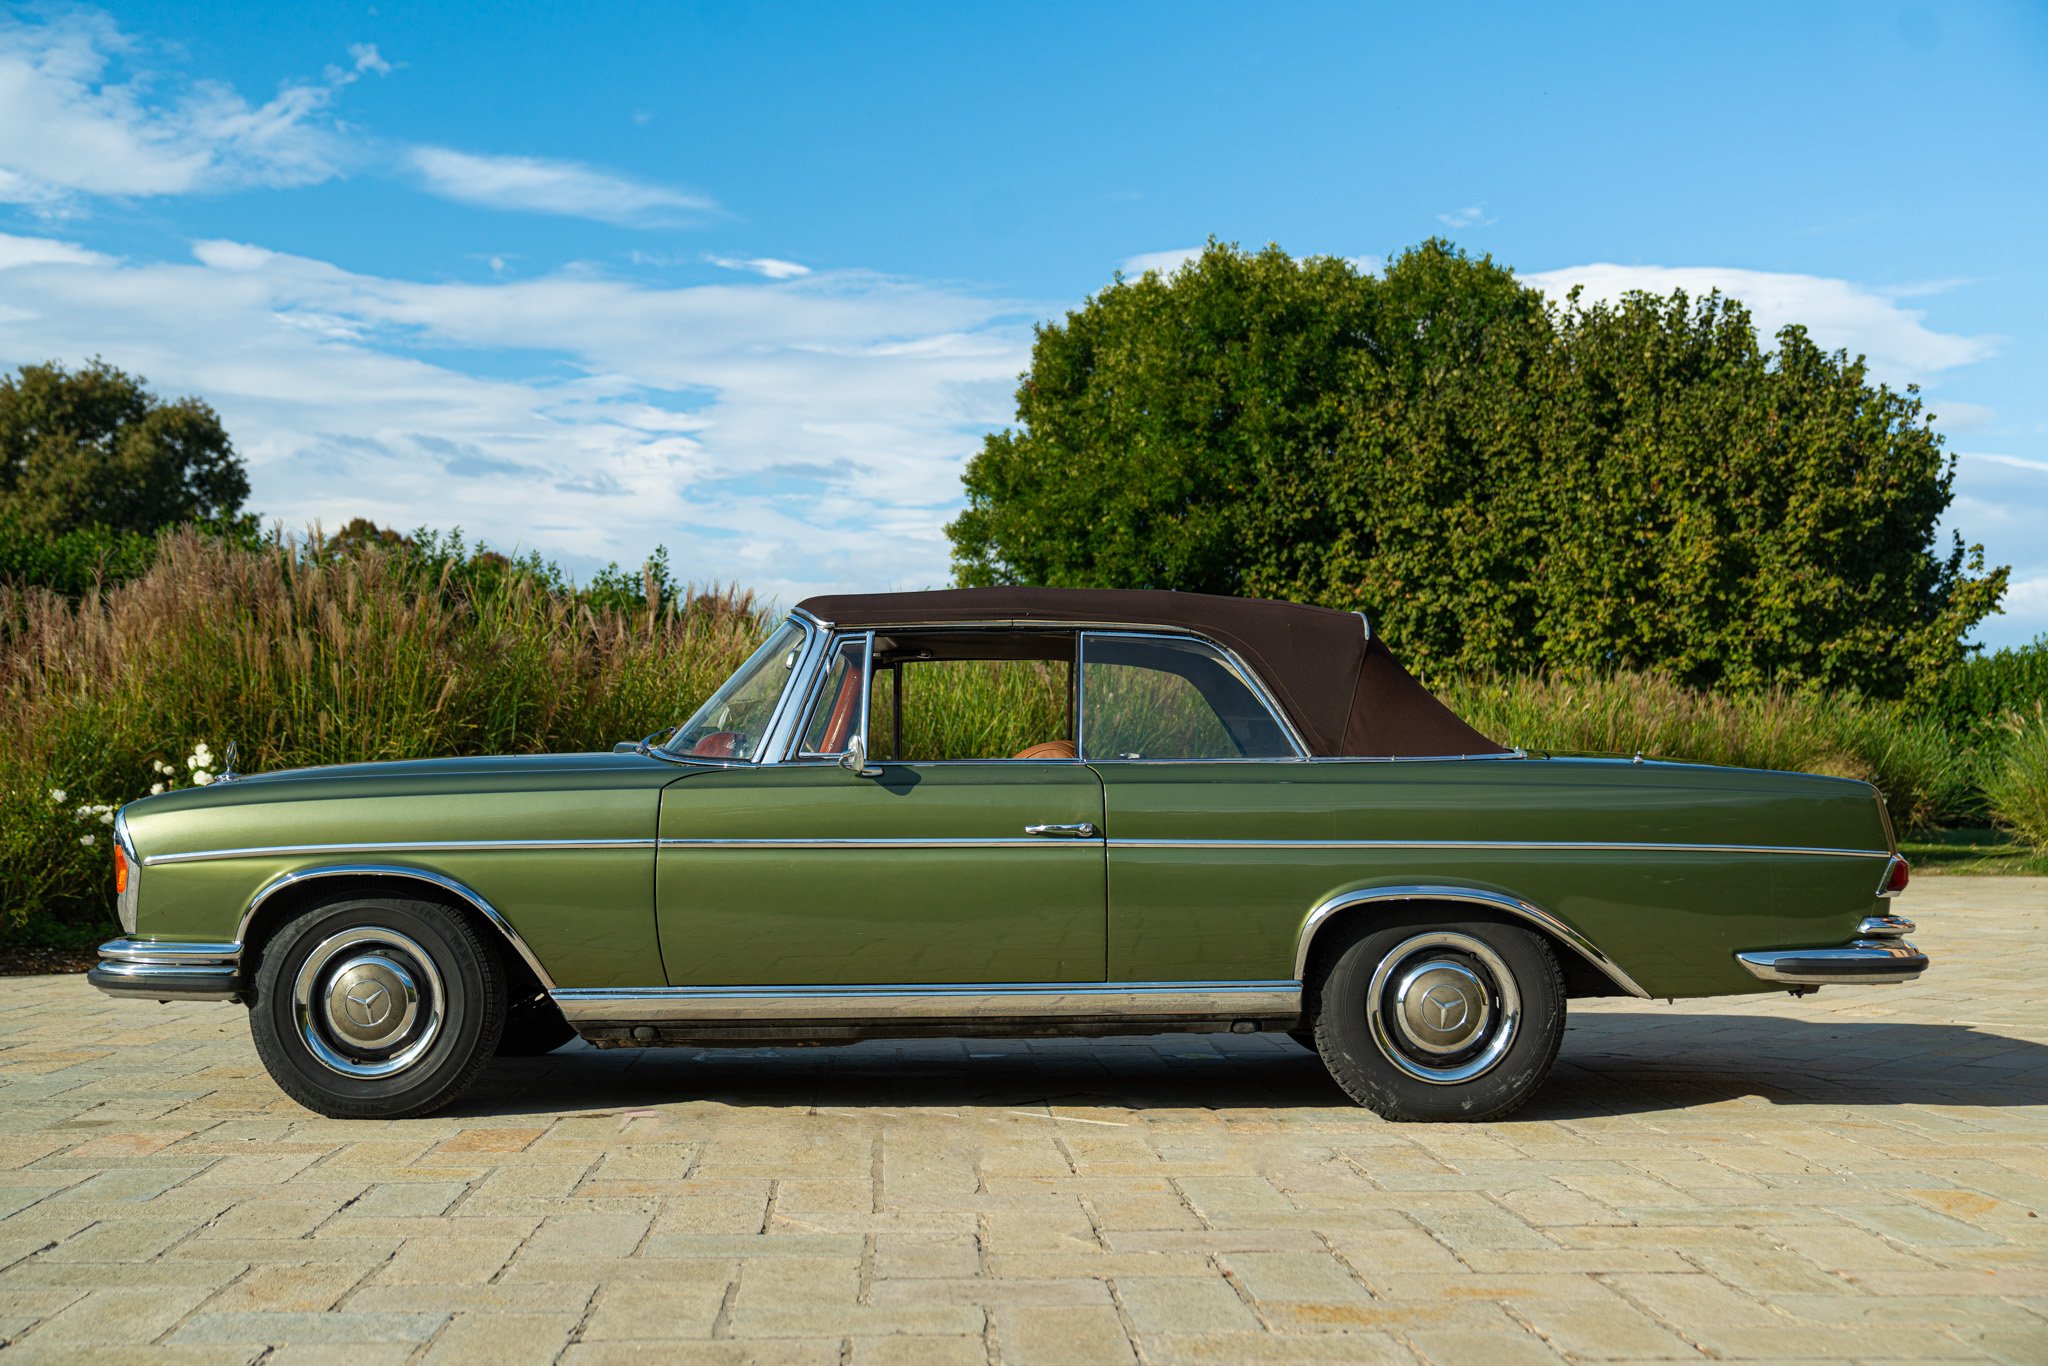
[1003,812]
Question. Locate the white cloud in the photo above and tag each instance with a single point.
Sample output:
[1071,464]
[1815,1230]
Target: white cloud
[2026,603]
[2016,462]
[766,266]
[1472,215]
[1165,262]
[368,59]
[1837,313]
[538,185]
[68,128]
[792,435]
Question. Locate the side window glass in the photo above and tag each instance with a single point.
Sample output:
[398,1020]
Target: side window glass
[950,709]
[835,715]
[1161,698]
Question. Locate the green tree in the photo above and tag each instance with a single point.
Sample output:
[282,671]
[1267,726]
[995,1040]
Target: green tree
[1502,484]
[93,448]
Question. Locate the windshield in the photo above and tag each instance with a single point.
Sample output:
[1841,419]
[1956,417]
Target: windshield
[734,722]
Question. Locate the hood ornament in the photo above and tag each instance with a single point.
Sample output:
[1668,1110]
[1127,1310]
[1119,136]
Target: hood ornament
[227,767]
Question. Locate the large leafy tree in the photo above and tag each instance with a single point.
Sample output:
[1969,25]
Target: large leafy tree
[93,448]
[1502,484]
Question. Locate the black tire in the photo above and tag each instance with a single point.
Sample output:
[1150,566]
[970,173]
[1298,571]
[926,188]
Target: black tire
[532,1027]
[1454,1020]
[401,997]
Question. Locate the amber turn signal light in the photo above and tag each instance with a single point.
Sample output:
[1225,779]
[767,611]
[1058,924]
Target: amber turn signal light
[120,870]
[1895,878]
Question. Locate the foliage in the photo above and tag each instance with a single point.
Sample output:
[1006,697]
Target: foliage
[1503,485]
[2016,779]
[73,562]
[306,657]
[93,448]
[1984,690]
[1910,759]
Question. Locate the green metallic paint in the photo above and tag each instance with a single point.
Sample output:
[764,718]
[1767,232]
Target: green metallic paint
[1058,911]
[752,916]
[587,914]
[1673,919]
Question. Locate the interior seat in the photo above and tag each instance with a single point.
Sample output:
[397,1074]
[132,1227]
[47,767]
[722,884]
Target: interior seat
[1051,749]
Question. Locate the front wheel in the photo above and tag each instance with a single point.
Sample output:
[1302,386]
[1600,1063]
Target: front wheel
[376,1008]
[1458,1021]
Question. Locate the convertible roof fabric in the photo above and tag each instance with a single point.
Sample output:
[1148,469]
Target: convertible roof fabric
[1346,694]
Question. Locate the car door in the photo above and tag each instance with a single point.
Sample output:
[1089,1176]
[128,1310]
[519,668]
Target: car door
[1192,755]
[805,873]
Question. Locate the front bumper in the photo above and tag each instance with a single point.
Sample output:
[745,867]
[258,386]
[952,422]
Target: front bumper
[161,970]
[1882,955]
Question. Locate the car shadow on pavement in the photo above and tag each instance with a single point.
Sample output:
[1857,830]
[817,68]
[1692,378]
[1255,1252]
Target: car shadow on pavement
[1612,1063]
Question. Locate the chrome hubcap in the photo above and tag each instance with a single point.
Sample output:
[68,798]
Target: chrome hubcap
[1443,1007]
[368,1002]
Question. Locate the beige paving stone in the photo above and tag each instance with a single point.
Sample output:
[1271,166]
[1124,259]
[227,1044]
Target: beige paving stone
[1862,1174]
[1032,1335]
[503,1339]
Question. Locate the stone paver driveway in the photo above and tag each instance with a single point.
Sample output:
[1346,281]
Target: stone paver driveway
[1863,1174]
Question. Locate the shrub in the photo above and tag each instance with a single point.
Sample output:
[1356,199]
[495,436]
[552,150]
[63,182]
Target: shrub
[2016,778]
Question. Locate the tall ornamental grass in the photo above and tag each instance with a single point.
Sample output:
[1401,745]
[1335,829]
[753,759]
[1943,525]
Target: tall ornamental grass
[2016,778]
[304,659]
[1910,758]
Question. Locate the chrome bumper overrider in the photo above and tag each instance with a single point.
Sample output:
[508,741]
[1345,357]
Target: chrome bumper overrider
[160,970]
[1882,955]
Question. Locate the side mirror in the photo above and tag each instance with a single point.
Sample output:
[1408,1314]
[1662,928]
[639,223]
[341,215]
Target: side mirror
[855,760]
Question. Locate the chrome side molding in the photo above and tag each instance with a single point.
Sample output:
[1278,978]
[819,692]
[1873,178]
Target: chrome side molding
[966,1002]
[167,971]
[1863,961]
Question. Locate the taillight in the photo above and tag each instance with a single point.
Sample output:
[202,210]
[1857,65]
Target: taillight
[1895,877]
[120,870]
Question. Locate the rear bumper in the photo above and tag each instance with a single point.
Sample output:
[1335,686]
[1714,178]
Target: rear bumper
[1861,960]
[159,970]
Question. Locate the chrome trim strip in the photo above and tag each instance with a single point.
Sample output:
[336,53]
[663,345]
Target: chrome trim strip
[940,1001]
[398,871]
[126,950]
[1501,901]
[1868,961]
[1615,846]
[397,847]
[1884,927]
[1069,842]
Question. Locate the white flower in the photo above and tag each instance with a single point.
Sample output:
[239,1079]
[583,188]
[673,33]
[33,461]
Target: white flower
[201,756]
[200,777]
[57,795]
[87,839]
[106,818]
[83,812]
[162,767]
[156,789]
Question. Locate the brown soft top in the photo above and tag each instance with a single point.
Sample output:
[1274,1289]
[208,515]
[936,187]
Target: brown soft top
[1341,686]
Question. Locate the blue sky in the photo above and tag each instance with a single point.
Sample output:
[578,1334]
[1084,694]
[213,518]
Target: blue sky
[751,280]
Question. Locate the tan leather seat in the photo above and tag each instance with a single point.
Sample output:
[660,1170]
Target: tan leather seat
[1051,749]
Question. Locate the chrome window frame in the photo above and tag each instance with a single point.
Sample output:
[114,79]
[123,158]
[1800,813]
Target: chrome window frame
[814,694]
[1230,660]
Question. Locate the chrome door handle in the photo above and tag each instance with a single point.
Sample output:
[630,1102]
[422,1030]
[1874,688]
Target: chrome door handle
[1082,831]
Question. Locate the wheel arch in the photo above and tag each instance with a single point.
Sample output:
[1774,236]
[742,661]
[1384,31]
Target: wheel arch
[1582,960]
[276,899]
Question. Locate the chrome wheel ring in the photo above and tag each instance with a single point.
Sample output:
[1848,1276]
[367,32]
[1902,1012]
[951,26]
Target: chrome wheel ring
[1443,1007]
[368,1002]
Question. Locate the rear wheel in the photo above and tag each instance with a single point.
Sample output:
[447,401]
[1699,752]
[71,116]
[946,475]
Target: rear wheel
[376,1008]
[1455,1021]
